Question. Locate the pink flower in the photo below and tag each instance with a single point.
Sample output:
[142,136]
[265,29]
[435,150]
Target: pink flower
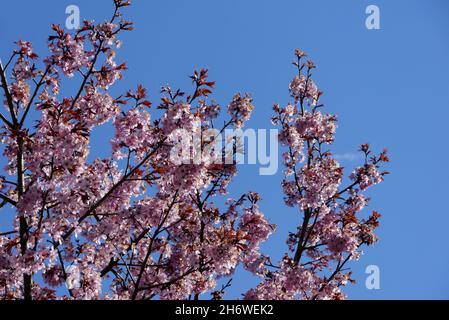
[298,88]
[240,109]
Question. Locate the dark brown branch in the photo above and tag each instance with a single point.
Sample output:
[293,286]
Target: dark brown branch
[337,270]
[36,90]
[8,200]
[8,98]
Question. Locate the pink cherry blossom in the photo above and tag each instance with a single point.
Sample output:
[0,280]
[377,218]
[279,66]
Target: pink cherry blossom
[136,225]
[133,225]
[240,109]
[332,231]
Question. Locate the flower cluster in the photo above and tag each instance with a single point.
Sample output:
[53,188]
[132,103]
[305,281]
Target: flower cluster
[240,109]
[68,52]
[302,87]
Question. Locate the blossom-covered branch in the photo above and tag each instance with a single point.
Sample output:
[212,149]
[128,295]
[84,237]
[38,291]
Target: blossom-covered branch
[331,231]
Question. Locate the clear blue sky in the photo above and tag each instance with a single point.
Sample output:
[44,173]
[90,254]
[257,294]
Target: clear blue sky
[389,87]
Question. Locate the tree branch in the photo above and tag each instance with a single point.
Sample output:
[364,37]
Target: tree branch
[8,98]
[8,200]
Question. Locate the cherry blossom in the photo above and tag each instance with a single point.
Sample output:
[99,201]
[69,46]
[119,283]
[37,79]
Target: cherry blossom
[133,225]
[137,225]
[332,229]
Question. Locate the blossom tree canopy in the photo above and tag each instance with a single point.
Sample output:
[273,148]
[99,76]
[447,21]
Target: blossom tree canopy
[137,226]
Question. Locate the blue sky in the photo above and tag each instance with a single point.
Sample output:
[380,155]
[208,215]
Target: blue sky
[389,87]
